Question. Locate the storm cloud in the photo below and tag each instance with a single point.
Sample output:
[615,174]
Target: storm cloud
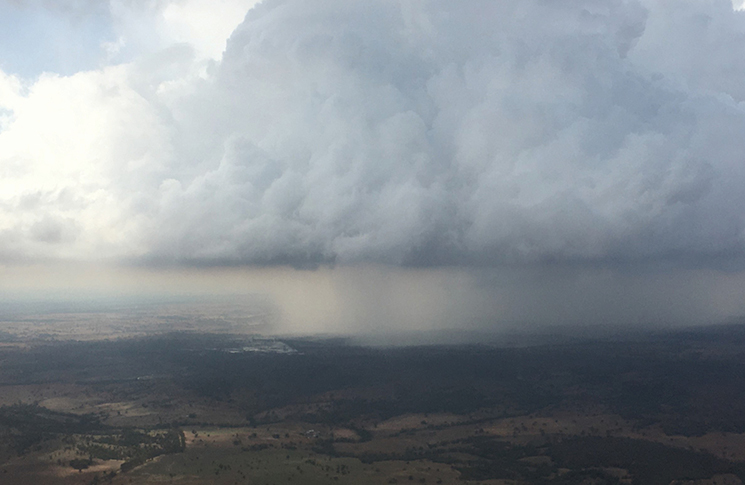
[423,133]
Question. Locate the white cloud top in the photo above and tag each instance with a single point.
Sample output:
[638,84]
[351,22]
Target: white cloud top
[428,132]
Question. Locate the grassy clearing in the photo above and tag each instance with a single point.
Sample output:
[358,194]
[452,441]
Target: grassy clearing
[224,465]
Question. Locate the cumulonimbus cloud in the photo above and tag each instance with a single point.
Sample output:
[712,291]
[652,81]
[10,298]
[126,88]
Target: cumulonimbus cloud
[408,133]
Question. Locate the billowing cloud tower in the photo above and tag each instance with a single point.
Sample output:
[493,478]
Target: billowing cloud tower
[406,133]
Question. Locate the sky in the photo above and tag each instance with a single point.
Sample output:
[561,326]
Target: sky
[380,164]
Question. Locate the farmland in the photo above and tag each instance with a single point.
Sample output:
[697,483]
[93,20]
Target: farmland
[223,407]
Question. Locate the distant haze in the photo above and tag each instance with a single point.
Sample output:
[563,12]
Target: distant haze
[378,166]
[395,305]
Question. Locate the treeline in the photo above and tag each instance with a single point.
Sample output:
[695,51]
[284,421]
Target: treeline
[654,380]
[134,446]
[24,427]
[27,425]
[689,382]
